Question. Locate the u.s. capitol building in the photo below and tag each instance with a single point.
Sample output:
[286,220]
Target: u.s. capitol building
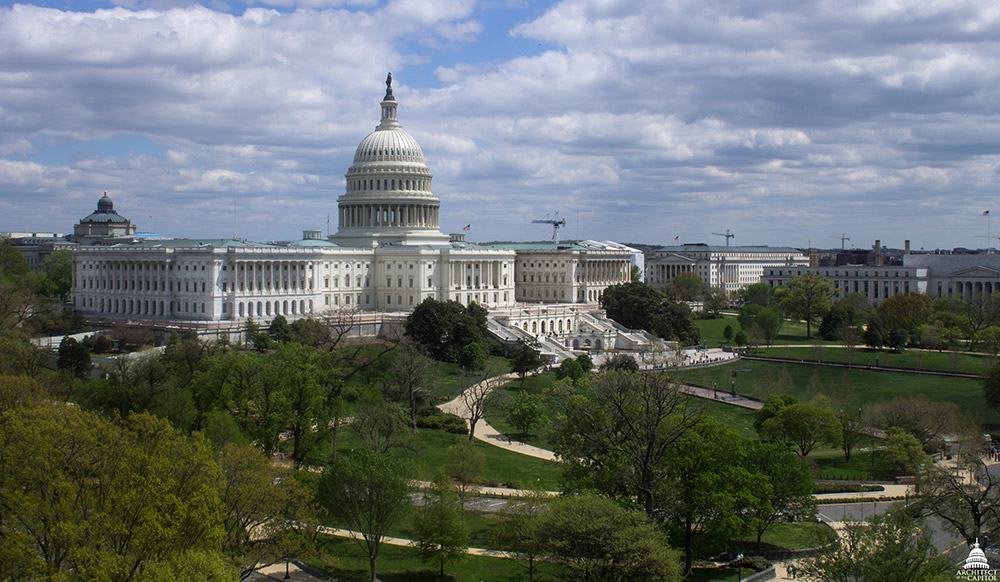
[387,255]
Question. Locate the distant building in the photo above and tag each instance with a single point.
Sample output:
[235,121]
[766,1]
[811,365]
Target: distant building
[722,267]
[102,226]
[876,283]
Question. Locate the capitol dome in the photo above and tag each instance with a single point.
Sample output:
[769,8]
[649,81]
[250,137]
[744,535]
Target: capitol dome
[977,559]
[388,198]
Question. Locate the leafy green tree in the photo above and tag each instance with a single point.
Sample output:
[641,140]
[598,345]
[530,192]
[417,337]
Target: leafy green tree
[465,464]
[758,293]
[906,311]
[886,548]
[616,440]
[279,330]
[620,363]
[368,492]
[791,484]
[774,404]
[382,426]
[740,338]
[727,334]
[989,338]
[191,566]
[597,540]
[901,452]
[57,270]
[472,358]
[991,387]
[310,332]
[876,333]
[714,301]
[686,287]
[441,533]
[267,512]
[803,425]
[444,328]
[709,494]
[12,262]
[86,498]
[586,364]
[640,306]
[524,360]
[73,356]
[569,368]
[843,314]
[18,356]
[806,297]
[524,410]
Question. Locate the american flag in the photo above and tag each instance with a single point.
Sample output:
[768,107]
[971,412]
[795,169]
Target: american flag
[986,213]
[467,227]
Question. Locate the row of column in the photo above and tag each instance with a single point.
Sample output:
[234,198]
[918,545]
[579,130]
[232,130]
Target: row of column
[610,270]
[477,274]
[663,273]
[402,215]
[268,277]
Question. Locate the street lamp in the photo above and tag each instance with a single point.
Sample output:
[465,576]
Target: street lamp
[739,567]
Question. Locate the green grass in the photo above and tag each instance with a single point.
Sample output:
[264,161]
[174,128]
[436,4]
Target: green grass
[788,536]
[927,360]
[792,332]
[449,380]
[734,417]
[429,450]
[830,464]
[346,561]
[858,387]
[479,525]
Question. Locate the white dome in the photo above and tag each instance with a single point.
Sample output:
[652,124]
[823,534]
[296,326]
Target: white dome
[977,559]
[389,145]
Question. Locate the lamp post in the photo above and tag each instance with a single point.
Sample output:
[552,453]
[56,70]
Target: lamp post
[739,567]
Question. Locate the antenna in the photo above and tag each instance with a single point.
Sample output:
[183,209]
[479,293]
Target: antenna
[234,213]
[842,239]
[727,234]
[554,221]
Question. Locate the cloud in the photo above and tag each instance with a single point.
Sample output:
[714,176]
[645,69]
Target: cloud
[646,120]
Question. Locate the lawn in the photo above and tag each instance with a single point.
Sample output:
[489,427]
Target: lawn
[759,379]
[449,379]
[788,536]
[346,561]
[429,449]
[922,359]
[792,332]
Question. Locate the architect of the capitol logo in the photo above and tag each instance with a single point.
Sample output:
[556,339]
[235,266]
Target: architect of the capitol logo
[977,567]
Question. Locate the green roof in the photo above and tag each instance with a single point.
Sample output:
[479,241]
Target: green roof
[194,243]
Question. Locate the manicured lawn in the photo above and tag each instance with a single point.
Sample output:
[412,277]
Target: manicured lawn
[449,380]
[429,451]
[347,561]
[734,417]
[789,536]
[792,332]
[927,360]
[716,575]
[831,465]
[859,387]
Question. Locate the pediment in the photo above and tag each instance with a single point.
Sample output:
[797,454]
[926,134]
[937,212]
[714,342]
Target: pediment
[977,272]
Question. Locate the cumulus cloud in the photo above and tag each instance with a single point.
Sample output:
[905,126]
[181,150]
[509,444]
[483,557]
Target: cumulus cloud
[640,121]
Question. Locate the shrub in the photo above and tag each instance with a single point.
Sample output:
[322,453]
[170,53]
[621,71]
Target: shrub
[434,418]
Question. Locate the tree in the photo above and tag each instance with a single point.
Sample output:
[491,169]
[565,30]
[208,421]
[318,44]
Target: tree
[524,360]
[887,548]
[686,287]
[73,356]
[989,338]
[774,404]
[477,398]
[310,332]
[906,311]
[279,330]
[758,293]
[18,356]
[970,506]
[569,368]
[409,373]
[806,297]
[674,321]
[86,498]
[876,333]
[791,484]
[901,452]
[597,541]
[472,358]
[741,338]
[761,322]
[715,300]
[441,532]
[727,334]
[524,410]
[708,493]
[640,306]
[465,464]
[804,426]
[57,269]
[444,328]
[586,364]
[369,493]
[267,513]
[991,386]
[842,315]
[620,363]
[382,426]
[927,420]
[520,531]
[618,439]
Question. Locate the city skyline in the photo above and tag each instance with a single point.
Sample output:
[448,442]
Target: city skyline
[637,122]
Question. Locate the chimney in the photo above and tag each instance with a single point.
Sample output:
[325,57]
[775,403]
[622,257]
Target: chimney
[878,253]
[906,247]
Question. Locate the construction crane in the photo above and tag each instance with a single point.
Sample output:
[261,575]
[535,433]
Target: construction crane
[555,221]
[727,234]
[842,239]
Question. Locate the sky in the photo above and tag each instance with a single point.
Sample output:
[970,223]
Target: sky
[788,123]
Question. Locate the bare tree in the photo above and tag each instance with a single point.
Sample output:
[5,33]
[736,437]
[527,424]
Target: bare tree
[966,497]
[925,419]
[478,397]
[408,375]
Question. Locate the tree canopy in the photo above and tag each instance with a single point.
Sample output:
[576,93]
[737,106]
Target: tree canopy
[444,328]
